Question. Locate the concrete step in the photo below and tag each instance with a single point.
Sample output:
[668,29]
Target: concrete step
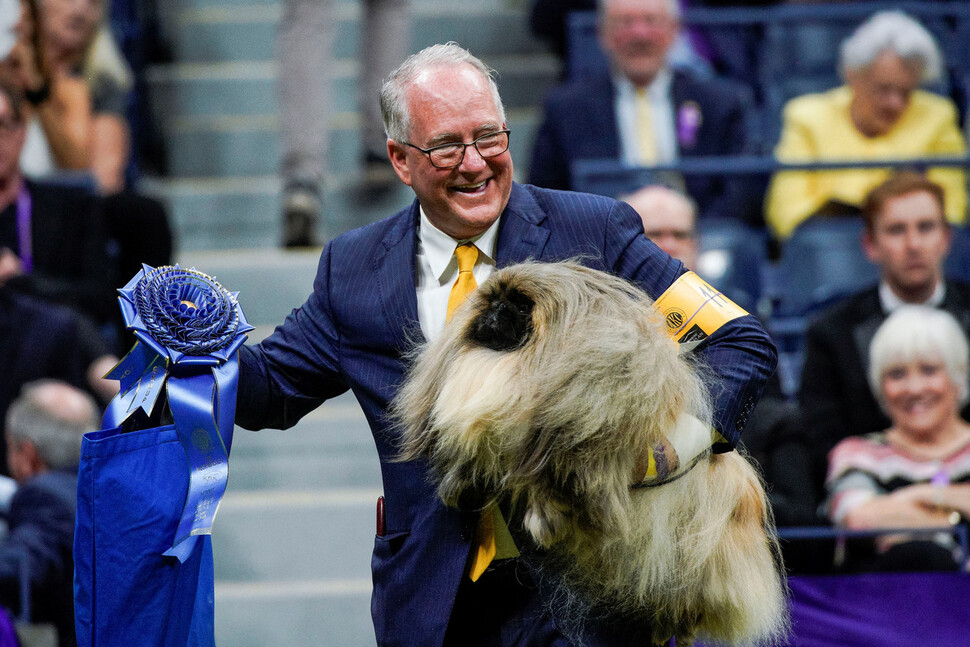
[270,283]
[225,213]
[294,614]
[248,33]
[248,145]
[249,87]
[294,533]
[243,213]
[191,5]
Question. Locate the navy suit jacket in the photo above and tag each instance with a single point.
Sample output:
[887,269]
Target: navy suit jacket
[362,317]
[580,123]
[40,545]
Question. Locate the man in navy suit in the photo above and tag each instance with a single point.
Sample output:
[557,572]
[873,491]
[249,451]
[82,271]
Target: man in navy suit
[44,427]
[645,113]
[381,288]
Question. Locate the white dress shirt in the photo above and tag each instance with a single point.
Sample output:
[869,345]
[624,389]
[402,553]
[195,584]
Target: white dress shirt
[437,270]
[662,110]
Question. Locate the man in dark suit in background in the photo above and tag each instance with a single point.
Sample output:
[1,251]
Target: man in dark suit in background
[44,428]
[908,237]
[52,238]
[381,288]
[645,113]
[41,340]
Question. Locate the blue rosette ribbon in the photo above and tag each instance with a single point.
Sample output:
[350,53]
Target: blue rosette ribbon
[188,329]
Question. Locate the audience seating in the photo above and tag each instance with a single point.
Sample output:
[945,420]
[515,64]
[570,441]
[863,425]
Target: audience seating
[821,263]
[798,46]
[957,264]
[733,257]
[583,53]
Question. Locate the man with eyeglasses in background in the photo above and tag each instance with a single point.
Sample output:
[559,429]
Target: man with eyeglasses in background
[669,220]
[386,286]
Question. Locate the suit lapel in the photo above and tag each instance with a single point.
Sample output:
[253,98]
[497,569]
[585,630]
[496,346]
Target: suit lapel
[956,303]
[394,269]
[521,235]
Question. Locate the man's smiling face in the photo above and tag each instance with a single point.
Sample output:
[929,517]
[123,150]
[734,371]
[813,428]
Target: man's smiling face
[454,104]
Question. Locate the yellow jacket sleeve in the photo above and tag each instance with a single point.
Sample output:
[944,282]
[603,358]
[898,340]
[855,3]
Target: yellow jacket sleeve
[953,179]
[793,196]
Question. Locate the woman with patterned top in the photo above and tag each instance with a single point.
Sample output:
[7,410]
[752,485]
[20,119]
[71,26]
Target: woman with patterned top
[916,474]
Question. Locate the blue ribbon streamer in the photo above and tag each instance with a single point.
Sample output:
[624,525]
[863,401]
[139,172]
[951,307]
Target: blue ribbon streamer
[192,402]
[188,329]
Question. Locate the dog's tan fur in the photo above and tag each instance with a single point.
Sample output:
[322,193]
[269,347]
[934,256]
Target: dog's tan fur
[554,429]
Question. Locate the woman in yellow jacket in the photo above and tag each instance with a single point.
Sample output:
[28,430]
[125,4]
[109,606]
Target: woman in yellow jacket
[878,114]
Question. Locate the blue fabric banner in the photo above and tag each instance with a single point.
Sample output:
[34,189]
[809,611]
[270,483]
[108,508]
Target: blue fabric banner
[148,493]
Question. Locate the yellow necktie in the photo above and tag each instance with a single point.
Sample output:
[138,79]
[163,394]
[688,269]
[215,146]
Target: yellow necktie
[492,537]
[465,283]
[646,137]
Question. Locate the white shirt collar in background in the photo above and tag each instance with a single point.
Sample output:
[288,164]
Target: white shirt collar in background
[890,302]
[662,109]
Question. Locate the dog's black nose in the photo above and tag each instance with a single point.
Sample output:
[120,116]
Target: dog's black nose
[506,322]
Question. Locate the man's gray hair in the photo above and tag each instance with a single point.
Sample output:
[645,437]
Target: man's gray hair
[394,105]
[919,333]
[53,416]
[897,32]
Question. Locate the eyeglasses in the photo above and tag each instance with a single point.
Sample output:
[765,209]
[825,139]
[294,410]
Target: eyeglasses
[451,155]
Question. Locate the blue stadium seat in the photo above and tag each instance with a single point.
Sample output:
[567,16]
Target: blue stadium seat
[957,265]
[613,178]
[583,53]
[732,257]
[821,262]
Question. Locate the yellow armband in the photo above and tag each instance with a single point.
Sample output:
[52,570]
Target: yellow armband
[692,309]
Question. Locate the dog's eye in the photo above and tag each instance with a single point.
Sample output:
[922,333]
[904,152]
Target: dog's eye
[506,322]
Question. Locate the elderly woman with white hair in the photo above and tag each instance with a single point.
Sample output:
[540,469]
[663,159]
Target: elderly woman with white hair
[879,113]
[916,474]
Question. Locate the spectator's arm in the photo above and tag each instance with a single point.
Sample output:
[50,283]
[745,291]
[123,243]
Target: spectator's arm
[906,507]
[109,157]
[66,119]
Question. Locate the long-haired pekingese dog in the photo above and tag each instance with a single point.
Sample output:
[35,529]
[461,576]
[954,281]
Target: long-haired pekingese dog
[544,394]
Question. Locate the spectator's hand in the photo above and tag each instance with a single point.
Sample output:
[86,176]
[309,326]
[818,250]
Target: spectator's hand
[10,265]
[24,66]
[104,388]
[924,495]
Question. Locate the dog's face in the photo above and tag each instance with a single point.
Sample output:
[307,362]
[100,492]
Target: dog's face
[544,388]
[505,322]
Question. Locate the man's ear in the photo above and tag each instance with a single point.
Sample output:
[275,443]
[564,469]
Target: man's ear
[32,457]
[869,246]
[398,156]
[947,236]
